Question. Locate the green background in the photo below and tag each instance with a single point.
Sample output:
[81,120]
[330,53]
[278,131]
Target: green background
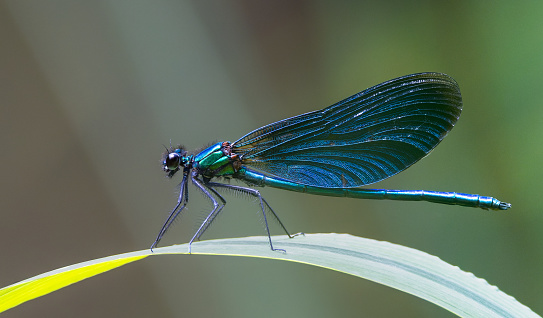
[90,91]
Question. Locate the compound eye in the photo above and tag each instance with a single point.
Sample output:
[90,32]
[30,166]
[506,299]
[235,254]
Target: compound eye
[172,161]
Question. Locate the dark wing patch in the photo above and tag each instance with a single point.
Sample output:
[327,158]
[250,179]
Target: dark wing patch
[363,139]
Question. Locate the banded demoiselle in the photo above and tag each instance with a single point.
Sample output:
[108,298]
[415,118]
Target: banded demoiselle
[360,140]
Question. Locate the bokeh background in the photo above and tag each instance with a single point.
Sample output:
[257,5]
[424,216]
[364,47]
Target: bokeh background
[90,92]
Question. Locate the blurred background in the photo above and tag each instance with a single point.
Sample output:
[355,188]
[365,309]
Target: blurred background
[91,91]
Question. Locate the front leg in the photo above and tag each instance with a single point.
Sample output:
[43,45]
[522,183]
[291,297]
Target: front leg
[181,203]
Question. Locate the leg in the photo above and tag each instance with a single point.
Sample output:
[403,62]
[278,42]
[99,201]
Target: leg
[181,203]
[212,218]
[263,205]
[216,209]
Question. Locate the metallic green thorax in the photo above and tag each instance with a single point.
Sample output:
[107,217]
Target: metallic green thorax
[216,161]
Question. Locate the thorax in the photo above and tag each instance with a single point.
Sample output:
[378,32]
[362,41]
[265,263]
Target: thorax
[217,161]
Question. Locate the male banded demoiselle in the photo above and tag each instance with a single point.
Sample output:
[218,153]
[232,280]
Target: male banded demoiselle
[360,140]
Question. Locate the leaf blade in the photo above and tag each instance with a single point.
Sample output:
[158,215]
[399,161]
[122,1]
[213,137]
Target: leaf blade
[403,268]
[44,284]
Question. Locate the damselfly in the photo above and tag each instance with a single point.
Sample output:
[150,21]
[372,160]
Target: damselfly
[360,140]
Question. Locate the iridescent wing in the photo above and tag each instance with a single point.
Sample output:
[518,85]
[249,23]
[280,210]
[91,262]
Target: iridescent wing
[363,139]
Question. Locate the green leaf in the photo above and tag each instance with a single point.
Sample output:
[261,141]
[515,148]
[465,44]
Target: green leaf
[43,284]
[397,266]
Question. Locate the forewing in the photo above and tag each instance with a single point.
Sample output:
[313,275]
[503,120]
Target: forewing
[363,139]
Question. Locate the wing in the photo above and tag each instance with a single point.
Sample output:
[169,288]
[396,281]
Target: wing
[360,140]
